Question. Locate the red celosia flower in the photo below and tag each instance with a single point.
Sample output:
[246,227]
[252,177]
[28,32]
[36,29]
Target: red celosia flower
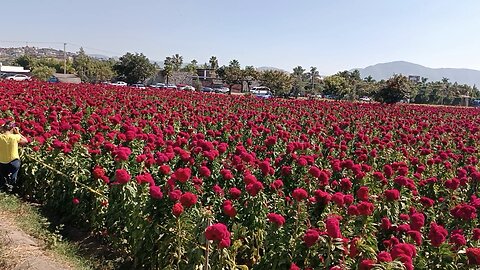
[392,194]
[417,220]
[204,171]
[311,237]
[366,264]
[322,197]
[437,234]
[98,172]
[278,219]
[333,227]
[476,234]
[473,255]
[384,257]
[293,266]
[365,208]
[228,209]
[145,178]
[235,193]
[362,193]
[405,253]
[76,201]
[164,169]
[155,192]
[464,211]
[188,199]
[122,176]
[183,174]
[175,195]
[218,233]
[254,188]
[177,209]
[299,194]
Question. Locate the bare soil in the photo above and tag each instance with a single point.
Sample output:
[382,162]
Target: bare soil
[20,251]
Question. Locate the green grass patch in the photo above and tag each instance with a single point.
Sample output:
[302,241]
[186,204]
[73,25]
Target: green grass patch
[27,217]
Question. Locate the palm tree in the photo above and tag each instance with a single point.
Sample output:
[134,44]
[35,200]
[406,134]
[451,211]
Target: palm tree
[177,61]
[313,74]
[213,62]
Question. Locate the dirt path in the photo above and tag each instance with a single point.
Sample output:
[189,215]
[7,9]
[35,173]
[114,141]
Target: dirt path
[20,251]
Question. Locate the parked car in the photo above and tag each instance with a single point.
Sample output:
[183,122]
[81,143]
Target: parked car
[221,89]
[158,85]
[259,88]
[186,87]
[139,85]
[207,90]
[263,94]
[367,99]
[119,83]
[171,86]
[53,79]
[18,77]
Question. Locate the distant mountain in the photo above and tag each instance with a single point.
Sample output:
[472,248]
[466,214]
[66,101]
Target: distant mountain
[269,68]
[386,70]
[99,56]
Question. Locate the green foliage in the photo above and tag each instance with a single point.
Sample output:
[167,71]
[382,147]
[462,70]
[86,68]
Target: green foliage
[93,70]
[395,89]
[43,73]
[337,85]
[133,68]
[278,81]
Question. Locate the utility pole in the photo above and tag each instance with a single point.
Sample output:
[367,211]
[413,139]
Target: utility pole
[64,58]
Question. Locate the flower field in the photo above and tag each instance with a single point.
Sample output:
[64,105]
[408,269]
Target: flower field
[182,180]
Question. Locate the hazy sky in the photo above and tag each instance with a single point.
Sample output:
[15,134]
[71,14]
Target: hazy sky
[331,35]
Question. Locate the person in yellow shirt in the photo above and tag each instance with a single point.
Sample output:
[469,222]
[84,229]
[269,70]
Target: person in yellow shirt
[10,138]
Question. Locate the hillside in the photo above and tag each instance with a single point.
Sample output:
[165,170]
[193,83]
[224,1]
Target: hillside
[386,70]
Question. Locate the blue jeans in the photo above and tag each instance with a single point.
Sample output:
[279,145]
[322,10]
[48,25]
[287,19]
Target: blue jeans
[9,172]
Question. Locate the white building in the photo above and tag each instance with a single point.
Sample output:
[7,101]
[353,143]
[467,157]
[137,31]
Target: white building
[13,69]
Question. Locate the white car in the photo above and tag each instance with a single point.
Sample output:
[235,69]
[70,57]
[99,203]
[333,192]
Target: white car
[119,83]
[18,77]
[187,88]
[221,89]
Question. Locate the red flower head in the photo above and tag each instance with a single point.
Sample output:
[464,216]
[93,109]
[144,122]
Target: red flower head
[98,172]
[384,257]
[299,194]
[366,265]
[164,169]
[254,188]
[235,193]
[219,234]
[464,211]
[311,237]
[362,193]
[473,255]
[322,197]
[437,234]
[155,192]
[175,195]
[122,176]
[145,178]
[278,219]
[333,227]
[228,209]
[392,195]
[75,201]
[476,234]
[417,220]
[405,253]
[177,209]
[205,171]
[188,199]
[183,174]
[365,208]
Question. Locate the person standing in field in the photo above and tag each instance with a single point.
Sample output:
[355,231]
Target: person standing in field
[10,138]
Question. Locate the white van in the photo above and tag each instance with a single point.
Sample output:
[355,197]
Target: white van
[259,89]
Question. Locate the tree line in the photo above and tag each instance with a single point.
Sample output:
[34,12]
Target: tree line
[344,85]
